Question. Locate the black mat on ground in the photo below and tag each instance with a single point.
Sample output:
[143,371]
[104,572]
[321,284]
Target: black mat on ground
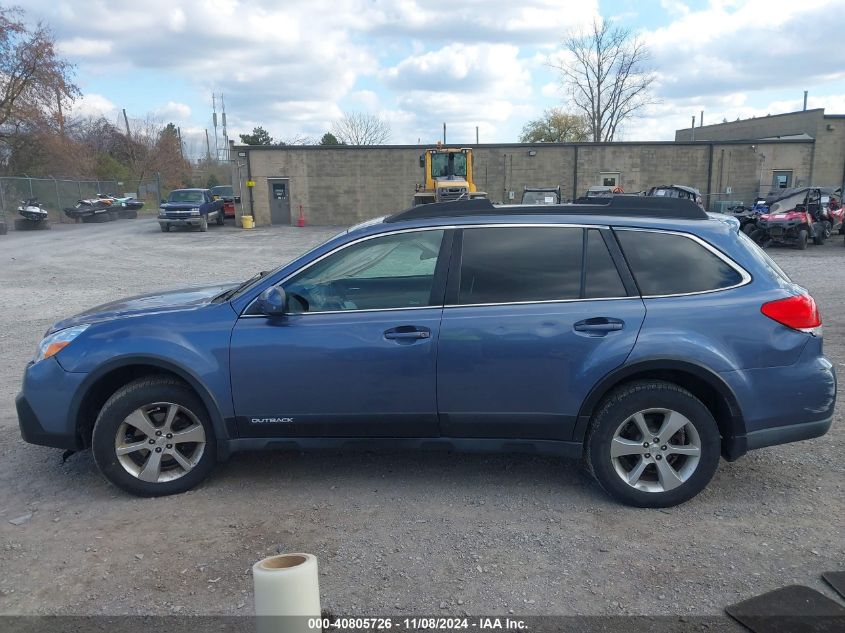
[836,579]
[793,609]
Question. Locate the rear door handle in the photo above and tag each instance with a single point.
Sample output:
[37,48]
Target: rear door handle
[598,326]
[407,332]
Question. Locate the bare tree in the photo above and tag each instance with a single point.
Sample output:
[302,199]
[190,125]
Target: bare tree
[35,83]
[360,128]
[556,126]
[607,76]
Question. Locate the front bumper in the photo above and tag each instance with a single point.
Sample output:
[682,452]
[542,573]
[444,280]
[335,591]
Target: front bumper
[195,220]
[44,405]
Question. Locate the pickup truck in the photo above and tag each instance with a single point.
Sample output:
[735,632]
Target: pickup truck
[227,194]
[190,207]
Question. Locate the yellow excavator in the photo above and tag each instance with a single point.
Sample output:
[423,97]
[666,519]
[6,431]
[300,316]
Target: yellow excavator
[448,176]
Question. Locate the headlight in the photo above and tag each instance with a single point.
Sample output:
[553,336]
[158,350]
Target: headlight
[57,341]
[195,211]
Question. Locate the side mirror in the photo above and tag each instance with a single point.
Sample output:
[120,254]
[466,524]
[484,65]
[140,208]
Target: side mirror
[273,301]
[237,199]
[163,200]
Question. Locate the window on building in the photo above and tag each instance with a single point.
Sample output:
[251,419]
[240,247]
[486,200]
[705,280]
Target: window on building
[609,178]
[781,179]
[669,264]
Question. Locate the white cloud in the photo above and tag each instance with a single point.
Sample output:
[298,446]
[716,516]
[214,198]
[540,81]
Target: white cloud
[173,110]
[82,47]
[94,105]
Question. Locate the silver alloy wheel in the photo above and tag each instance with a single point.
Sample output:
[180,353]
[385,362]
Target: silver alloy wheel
[159,442]
[655,450]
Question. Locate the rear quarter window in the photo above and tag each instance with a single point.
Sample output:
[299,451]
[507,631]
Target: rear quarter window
[672,264]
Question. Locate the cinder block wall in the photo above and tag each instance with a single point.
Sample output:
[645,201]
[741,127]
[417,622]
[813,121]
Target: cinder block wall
[345,185]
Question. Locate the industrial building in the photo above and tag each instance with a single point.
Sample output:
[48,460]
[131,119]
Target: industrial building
[729,163]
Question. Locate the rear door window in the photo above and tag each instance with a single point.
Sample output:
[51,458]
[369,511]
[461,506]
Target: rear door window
[520,264]
[672,264]
[601,280]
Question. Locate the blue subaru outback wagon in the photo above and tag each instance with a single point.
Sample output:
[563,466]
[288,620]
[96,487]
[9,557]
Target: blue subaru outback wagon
[599,331]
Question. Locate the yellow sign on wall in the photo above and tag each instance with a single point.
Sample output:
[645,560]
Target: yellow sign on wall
[250,183]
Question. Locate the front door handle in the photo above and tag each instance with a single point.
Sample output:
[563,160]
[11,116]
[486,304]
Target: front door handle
[407,333]
[598,326]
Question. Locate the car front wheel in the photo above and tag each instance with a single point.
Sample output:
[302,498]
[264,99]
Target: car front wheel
[153,437]
[653,444]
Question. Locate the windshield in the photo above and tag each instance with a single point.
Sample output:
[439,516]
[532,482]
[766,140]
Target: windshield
[222,190]
[185,196]
[539,197]
[440,164]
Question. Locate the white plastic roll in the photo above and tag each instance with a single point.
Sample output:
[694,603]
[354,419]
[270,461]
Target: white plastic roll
[286,585]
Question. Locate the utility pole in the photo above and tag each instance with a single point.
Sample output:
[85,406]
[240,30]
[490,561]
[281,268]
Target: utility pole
[179,134]
[214,122]
[805,99]
[701,119]
[476,135]
[444,132]
[126,121]
[61,114]
[693,127]
[207,147]
[225,135]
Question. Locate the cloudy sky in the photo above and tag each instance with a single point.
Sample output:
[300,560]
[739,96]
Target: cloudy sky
[294,66]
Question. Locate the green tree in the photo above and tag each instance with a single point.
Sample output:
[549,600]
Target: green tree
[329,139]
[259,136]
[212,181]
[556,126]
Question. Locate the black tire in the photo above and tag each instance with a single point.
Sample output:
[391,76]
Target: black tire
[749,228]
[126,400]
[220,218]
[620,406]
[801,243]
[22,224]
[819,234]
[758,235]
[203,225]
[165,228]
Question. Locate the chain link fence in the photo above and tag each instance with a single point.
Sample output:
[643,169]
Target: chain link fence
[56,194]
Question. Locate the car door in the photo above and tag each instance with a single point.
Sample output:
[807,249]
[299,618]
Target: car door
[355,356]
[534,317]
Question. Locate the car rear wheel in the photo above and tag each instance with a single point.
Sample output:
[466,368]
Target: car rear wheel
[653,444]
[153,437]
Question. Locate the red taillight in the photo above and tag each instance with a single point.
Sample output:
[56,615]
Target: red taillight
[798,312]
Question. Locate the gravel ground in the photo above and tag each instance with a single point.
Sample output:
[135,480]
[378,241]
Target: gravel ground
[397,533]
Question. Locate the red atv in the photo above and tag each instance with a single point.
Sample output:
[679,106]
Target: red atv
[797,216]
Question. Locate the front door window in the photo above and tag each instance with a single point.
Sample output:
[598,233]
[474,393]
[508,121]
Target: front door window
[382,273]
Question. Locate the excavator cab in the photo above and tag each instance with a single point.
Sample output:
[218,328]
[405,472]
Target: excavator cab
[448,176]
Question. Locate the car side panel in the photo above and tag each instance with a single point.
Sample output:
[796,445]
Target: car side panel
[196,341]
[801,393]
[723,331]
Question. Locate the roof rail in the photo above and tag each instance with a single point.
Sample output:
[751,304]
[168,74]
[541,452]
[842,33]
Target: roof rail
[623,206]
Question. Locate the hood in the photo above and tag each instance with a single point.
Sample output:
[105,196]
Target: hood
[180,206]
[783,215]
[172,300]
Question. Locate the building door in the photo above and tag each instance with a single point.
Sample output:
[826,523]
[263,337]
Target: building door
[279,200]
[782,179]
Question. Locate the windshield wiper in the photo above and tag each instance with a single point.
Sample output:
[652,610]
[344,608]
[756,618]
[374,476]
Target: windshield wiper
[228,294]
